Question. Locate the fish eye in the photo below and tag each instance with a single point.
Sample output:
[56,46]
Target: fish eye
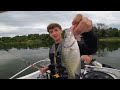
[65,37]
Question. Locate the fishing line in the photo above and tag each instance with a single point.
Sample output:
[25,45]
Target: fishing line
[21,58]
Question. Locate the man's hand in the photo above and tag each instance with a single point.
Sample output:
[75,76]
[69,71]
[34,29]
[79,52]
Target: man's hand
[86,58]
[81,24]
[43,70]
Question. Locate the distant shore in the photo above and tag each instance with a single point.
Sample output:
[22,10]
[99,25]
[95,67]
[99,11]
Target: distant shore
[114,39]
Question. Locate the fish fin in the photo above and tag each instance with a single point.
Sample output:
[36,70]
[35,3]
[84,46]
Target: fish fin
[78,70]
[77,76]
[71,76]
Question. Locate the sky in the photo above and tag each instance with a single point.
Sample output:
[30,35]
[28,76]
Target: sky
[13,23]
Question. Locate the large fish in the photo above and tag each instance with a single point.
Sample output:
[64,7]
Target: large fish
[71,55]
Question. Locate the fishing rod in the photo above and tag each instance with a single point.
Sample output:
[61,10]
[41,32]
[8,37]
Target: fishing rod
[22,59]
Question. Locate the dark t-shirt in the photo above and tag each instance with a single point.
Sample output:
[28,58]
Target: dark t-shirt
[89,43]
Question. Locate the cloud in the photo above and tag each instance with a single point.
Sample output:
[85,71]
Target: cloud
[14,23]
[106,17]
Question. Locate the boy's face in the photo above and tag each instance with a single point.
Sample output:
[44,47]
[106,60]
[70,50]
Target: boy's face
[55,33]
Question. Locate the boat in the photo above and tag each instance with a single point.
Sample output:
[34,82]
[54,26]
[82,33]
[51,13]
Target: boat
[96,71]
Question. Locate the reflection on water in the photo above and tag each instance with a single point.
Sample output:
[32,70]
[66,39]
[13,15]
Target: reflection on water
[108,53]
[110,46]
[106,48]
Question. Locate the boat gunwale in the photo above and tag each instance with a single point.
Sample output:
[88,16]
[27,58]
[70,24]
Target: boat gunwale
[28,68]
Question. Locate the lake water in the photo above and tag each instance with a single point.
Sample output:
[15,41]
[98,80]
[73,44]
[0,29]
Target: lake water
[10,65]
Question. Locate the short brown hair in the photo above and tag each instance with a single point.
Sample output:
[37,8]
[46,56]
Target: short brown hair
[53,25]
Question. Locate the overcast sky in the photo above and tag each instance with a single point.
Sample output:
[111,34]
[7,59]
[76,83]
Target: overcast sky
[14,23]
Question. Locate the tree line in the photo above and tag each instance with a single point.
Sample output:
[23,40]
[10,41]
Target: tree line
[31,41]
[103,31]
[107,33]
[45,40]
